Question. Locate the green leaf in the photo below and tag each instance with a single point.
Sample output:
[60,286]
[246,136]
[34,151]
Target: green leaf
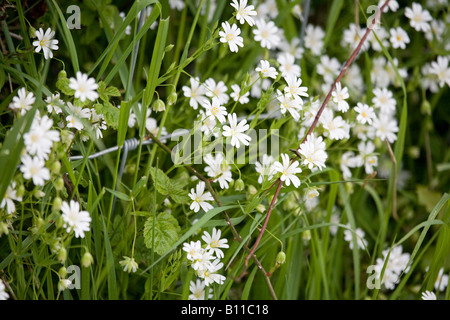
[105,92]
[160,180]
[119,194]
[110,113]
[163,232]
[63,84]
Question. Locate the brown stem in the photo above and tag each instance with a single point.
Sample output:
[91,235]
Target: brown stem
[394,187]
[319,113]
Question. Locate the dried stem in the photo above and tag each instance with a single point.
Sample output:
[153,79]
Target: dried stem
[316,119]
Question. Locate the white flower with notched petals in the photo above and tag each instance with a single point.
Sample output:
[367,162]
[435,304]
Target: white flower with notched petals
[193,249]
[237,96]
[129,264]
[214,243]
[288,170]
[392,5]
[386,127]
[209,275]
[244,13]
[197,290]
[294,88]
[218,90]
[23,101]
[218,169]
[288,103]
[75,219]
[267,34]
[45,42]
[399,38]
[10,195]
[419,18]
[340,95]
[236,131]
[313,40]
[265,168]
[195,93]
[441,70]
[200,198]
[85,88]
[266,70]
[215,110]
[34,168]
[359,234]
[313,151]
[428,295]
[287,67]
[365,113]
[231,35]
[383,99]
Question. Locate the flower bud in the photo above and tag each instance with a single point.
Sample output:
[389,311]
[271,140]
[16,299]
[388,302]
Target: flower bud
[55,167]
[3,228]
[59,184]
[414,152]
[158,105]
[57,202]
[425,107]
[281,257]
[62,255]
[32,32]
[62,272]
[252,190]
[63,284]
[172,98]
[87,259]
[239,185]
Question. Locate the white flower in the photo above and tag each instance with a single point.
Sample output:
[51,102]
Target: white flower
[3,294]
[214,243]
[39,140]
[294,89]
[198,290]
[288,170]
[45,42]
[129,264]
[367,156]
[386,127]
[54,103]
[292,47]
[365,113]
[265,168]
[267,34]
[428,295]
[314,39]
[441,281]
[196,93]
[287,67]
[63,284]
[85,88]
[236,131]
[218,90]
[336,127]
[384,100]
[231,35]
[339,95]
[311,199]
[399,38]
[23,101]
[215,110]
[348,160]
[395,266]
[352,37]
[313,150]
[218,170]
[209,275]
[441,70]
[392,5]
[236,94]
[359,233]
[34,168]
[200,198]
[75,116]
[193,249]
[244,12]
[289,103]
[328,68]
[418,17]
[75,219]
[266,70]
[176,4]
[8,198]
[377,36]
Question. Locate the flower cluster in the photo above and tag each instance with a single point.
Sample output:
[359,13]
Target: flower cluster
[205,260]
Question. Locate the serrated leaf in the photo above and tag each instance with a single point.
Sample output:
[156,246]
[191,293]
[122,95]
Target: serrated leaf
[162,232]
[160,180]
[63,85]
[112,91]
[110,113]
[179,195]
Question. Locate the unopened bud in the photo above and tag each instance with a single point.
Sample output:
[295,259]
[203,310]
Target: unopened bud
[59,184]
[239,185]
[172,99]
[281,257]
[3,228]
[62,272]
[32,32]
[87,259]
[158,105]
[425,107]
[62,255]
[57,202]
[55,167]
